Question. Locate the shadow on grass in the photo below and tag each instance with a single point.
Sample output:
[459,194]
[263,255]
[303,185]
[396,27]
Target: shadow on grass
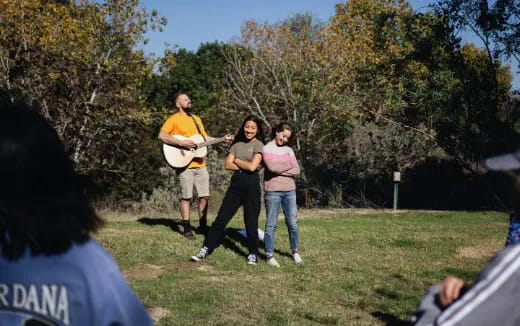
[390,320]
[235,235]
[174,224]
[233,239]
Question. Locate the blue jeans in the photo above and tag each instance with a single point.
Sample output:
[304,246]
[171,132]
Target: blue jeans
[273,201]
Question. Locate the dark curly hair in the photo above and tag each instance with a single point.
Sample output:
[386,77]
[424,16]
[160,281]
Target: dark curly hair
[241,135]
[42,204]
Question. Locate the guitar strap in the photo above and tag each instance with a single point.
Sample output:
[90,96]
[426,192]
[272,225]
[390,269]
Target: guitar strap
[198,128]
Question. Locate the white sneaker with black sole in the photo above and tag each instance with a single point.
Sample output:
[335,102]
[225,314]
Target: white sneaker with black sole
[203,252]
[252,259]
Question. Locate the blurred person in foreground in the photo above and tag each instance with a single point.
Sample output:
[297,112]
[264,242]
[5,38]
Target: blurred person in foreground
[51,271]
[493,298]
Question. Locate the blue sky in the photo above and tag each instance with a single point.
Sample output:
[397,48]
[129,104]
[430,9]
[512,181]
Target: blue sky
[192,22]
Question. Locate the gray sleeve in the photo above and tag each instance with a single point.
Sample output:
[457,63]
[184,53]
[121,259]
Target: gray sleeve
[428,310]
[493,298]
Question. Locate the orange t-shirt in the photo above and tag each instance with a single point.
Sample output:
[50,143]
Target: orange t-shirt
[183,125]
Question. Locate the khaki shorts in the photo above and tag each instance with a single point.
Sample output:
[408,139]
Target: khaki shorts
[198,177]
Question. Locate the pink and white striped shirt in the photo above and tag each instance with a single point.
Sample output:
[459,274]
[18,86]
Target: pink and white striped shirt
[281,167]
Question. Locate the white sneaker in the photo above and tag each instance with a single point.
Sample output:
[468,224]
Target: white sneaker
[271,261]
[252,259]
[297,258]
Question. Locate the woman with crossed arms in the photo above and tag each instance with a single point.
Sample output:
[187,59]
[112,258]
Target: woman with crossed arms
[244,158]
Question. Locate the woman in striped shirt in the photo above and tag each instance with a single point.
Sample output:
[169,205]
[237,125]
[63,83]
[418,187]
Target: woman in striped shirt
[280,190]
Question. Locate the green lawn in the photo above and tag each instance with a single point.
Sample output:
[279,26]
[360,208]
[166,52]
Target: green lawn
[361,267]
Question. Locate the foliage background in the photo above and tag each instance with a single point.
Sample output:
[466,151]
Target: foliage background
[377,89]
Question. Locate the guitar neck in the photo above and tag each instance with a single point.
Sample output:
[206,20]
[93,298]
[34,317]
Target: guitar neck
[210,142]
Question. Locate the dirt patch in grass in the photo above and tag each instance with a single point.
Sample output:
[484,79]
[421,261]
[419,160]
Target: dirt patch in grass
[111,230]
[126,232]
[253,279]
[481,251]
[113,216]
[150,271]
[218,279]
[200,267]
[144,272]
[107,244]
[157,313]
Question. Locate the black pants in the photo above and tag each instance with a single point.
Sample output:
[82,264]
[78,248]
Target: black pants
[244,190]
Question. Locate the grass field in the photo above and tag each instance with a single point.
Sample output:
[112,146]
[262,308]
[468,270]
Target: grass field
[361,267]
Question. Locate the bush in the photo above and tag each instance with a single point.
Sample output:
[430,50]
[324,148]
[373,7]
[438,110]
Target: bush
[166,198]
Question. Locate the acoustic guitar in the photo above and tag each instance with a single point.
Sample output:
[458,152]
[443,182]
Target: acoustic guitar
[179,157]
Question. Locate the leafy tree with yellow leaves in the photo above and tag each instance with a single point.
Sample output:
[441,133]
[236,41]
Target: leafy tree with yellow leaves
[78,60]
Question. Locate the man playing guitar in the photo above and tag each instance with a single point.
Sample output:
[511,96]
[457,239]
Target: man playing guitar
[195,174]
